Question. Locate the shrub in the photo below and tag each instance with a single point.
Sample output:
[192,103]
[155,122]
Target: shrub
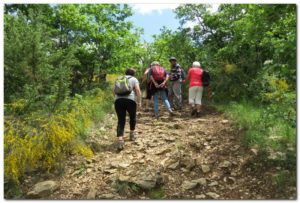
[41,139]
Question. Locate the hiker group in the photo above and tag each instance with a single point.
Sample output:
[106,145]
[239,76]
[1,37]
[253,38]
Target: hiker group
[159,83]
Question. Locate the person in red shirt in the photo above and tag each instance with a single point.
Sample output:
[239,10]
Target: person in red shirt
[195,88]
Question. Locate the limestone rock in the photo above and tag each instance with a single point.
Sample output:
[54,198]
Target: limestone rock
[200,181]
[200,196]
[198,161]
[123,165]
[205,168]
[254,151]
[92,193]
[123,178]
[173,166]
[43,189]
[170,138]
[146,184]
[233,173]
[213,195]
[102,129]
[164,162]
[116,164]
[188,185]
[77,172]
[235,148]
[214,183]
[107,196]
[225,164]
[146,181]
[188,162]
[110,171]
[201,120]
[225,121]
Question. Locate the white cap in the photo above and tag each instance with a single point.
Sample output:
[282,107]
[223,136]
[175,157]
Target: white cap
[155,63]
[196,64]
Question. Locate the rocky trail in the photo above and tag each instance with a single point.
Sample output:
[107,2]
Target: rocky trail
[175,157]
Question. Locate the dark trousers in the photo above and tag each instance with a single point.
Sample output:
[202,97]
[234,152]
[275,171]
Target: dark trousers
[148,91]
[122,106]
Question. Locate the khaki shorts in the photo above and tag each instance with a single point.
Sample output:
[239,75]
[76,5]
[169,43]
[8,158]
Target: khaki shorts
[195,95]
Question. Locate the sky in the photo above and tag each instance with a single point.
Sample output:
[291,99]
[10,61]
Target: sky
[152,17]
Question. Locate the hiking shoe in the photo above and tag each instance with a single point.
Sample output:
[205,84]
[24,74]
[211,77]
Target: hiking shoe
[132,136]
[177,108]
[121,145]
[156,116]
[171,113]
[194,112]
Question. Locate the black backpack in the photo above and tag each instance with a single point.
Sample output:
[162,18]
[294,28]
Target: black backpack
[205,78]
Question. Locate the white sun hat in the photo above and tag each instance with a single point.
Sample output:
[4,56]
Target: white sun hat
[196,64]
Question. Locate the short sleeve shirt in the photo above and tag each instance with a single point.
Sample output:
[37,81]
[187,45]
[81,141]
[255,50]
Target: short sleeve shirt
[194,75]
[133,82]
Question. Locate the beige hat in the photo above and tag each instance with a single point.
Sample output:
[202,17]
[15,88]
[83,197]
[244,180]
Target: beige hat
[196,64]
[154,63]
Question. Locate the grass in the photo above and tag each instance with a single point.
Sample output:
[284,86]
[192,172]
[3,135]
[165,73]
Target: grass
[124,188]
[12,190]
[283,179]
[280,180]
[121,187]
[270,134]
[262,131]
[156,193]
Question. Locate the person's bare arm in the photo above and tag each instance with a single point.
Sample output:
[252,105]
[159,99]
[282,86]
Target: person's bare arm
[154,82]
[138,95]
[145,75]
[167,78]
[165,81]
[187,77]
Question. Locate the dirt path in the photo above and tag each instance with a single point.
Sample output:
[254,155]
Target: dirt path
[173,158]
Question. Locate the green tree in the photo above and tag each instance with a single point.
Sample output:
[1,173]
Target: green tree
[35,69]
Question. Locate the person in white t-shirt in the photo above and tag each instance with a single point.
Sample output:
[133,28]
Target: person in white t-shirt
[128,103]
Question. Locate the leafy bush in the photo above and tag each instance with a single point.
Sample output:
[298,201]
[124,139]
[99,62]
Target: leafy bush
[41,139]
